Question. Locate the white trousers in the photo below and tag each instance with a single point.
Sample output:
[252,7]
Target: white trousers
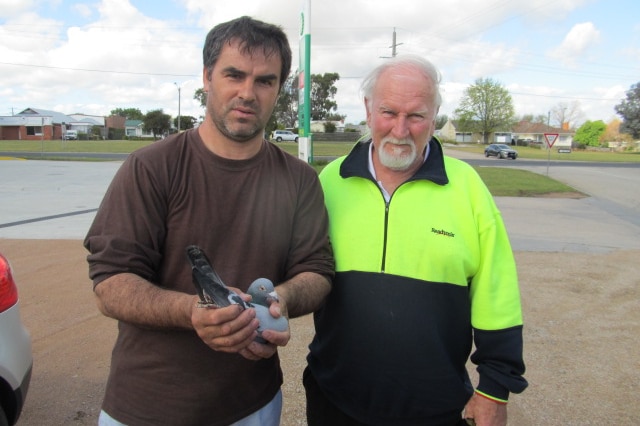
[269,415]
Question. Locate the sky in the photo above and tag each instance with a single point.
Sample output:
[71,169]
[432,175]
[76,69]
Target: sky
[94,56]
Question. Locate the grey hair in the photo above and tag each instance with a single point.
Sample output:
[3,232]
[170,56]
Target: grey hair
[402,61]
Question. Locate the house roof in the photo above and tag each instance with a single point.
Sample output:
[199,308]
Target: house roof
[132,123]
[56,117]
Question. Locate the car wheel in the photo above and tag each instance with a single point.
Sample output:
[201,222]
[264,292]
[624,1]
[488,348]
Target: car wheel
[296,140]
[502,155]
[278,139]
[486,154]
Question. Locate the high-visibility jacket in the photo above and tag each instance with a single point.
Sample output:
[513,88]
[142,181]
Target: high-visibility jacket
[417,279]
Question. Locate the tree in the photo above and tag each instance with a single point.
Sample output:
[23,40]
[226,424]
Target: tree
[612,133]
[285,114]
[589,133]
[186,122]
[629,110]
[156,122]
[486,107]
[128,113]
[563,113]
[201,96]
[323,92]
[530,118]
[441,120]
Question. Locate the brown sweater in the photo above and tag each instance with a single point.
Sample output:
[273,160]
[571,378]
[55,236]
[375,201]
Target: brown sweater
[262,217]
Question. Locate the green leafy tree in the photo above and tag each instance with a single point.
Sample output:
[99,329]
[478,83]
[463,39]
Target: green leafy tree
[589,133]
[201,95]
[128,113]
[156,122]
[285,114]
[441,120]
[486,107]
[186,122]
[629,110]
[329,127]
[323,91]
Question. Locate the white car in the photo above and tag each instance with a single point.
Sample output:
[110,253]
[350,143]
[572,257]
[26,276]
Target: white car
[16,358]
[284,135]
[71,135]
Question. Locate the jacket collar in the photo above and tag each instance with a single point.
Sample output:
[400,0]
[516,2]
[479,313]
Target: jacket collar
[356,163]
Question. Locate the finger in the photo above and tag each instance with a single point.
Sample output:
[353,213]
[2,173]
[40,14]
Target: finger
[277,338]
[261,350]
[246,353]
[229,336]
[244,296]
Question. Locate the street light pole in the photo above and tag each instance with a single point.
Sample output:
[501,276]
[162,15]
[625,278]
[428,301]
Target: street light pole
[178,105]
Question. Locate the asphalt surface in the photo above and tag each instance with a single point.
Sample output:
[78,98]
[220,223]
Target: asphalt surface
[58,200]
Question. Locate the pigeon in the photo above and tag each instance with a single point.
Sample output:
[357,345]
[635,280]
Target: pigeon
[214,293]
[263,292]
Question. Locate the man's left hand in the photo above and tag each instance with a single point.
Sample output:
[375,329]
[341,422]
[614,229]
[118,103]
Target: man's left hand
[485,412]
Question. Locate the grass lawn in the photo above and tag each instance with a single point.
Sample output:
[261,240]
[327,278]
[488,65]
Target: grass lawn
[501,181]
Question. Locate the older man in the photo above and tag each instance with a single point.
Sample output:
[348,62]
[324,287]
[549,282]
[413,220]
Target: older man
[423,268]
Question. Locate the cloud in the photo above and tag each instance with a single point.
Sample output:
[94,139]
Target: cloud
[11,8]
[576,44]
[94,56]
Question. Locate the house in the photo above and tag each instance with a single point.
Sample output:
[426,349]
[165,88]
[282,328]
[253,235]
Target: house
[523,131]
[34,124]
[88,124]
[42,124]
[135,129]
[318,126]
[449,131]
[534,132]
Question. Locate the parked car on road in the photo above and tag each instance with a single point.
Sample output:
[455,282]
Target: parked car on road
[16,358]
[284,135]
[500,150]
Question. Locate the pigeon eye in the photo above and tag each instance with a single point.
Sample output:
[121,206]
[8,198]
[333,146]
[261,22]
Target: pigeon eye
[263,288]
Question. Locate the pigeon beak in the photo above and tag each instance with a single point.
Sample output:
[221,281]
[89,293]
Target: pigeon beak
[273,297]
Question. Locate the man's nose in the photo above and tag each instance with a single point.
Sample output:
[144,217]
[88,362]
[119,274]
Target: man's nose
[401,127]
[246,91]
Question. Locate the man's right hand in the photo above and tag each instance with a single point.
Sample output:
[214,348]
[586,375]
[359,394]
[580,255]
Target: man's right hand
[229,329]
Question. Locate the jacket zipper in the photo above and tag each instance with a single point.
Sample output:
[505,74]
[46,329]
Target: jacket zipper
[386,227]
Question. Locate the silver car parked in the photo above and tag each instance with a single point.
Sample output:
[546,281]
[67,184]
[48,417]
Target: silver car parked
[16,358]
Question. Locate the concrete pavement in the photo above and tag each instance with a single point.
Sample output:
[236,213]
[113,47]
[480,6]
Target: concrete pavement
[58,200]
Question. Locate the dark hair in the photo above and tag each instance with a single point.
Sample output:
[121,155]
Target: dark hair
[252,34]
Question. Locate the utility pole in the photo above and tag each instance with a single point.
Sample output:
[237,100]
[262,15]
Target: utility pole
[393,45]
[178,105]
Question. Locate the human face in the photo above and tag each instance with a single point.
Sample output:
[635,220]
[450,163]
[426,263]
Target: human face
[242,92]
[401,115]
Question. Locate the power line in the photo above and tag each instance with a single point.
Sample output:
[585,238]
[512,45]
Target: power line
[101,71]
